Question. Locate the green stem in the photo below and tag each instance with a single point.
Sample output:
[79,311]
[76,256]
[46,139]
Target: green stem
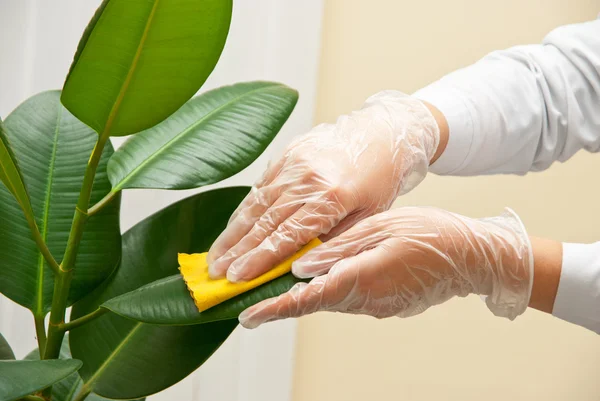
[57,314]
[32,398]
[40,330]
[83,319]
[62,282]
[102,203]
[83,393]
[43,248]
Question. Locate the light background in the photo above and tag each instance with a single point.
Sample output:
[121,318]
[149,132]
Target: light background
[459,350]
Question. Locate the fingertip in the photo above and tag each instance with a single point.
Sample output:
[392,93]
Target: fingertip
[234,276]
[299,270]
[311,265]
[252,317]
[246,321]
[251,265]
[216,250]
[210,257]
[214,273]
[220,267]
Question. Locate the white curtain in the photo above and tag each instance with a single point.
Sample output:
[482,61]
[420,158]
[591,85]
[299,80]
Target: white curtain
[269,40]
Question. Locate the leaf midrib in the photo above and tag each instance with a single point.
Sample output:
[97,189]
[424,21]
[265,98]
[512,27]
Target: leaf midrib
[125,86]
[46,214]
[183,133]
[74,388]
[90,382]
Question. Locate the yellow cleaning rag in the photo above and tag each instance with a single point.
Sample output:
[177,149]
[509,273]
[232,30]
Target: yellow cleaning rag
[208,293]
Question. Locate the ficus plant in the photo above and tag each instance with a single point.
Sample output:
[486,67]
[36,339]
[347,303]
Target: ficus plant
[133,329]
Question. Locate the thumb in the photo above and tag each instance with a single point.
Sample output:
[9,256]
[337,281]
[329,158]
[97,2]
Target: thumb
[321,259]
[301,300]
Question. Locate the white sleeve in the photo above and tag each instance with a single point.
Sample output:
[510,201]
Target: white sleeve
[578,296]
[521,109]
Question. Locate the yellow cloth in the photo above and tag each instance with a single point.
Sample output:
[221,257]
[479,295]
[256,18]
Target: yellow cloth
[208,293]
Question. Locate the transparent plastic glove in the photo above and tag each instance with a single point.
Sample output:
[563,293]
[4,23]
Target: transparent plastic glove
[327,180]
[401,262]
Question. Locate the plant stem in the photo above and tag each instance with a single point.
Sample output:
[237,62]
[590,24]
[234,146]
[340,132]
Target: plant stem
[43,248]
[32,398]
[62,282]
[82,320]
[103,202]
[57,314]
[40,331]
[83,393]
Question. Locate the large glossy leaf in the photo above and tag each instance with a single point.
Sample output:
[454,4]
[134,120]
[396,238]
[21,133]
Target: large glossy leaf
[212,137]
[127,359]
[53,148]
[6,352]
[140,60]
[168,301]
[10,175]
[68,388]
[21,378]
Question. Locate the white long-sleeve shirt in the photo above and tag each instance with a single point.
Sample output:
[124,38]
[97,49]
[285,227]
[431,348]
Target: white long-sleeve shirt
[520,110]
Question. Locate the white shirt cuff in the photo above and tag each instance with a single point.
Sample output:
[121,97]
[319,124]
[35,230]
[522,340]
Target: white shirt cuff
[460,125]
[578,296]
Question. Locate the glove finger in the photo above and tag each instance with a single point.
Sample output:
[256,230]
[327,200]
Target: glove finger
[255,196]
[302,299]
[306,224]
[360,237]
[245,203]
[338,291]
[344,225]
[257,203]
[272,171]
[265,226]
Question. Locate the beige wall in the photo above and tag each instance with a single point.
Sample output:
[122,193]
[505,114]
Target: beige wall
[457,351]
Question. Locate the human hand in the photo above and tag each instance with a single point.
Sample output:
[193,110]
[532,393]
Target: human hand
[327,180]
[401,262]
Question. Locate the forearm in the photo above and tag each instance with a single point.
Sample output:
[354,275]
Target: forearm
[567,281]
[547,254]
[521,109]
[443,127]
[547,262]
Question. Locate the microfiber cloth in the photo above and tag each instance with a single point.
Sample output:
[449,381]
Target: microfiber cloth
[208,293]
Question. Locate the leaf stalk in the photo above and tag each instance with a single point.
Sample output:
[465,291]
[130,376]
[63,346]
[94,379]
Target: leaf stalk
[82,320]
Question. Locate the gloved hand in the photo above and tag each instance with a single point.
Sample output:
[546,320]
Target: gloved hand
[401,262]
[327,180]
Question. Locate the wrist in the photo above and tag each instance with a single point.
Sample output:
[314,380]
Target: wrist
[547,255]
[510,264]
[442,124]
[413,131]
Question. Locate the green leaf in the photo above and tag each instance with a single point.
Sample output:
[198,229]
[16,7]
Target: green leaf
[21,378]
[140,60]
[212,137]
[6,352]
[10,175]
[126,359]
[68,388]
[168,301]
[53,148]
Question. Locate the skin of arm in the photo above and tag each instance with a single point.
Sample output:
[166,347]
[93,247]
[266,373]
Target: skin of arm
[444,130]
[547,254]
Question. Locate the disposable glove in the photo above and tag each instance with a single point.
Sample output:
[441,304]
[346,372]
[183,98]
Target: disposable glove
[401,262]
[327,180]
